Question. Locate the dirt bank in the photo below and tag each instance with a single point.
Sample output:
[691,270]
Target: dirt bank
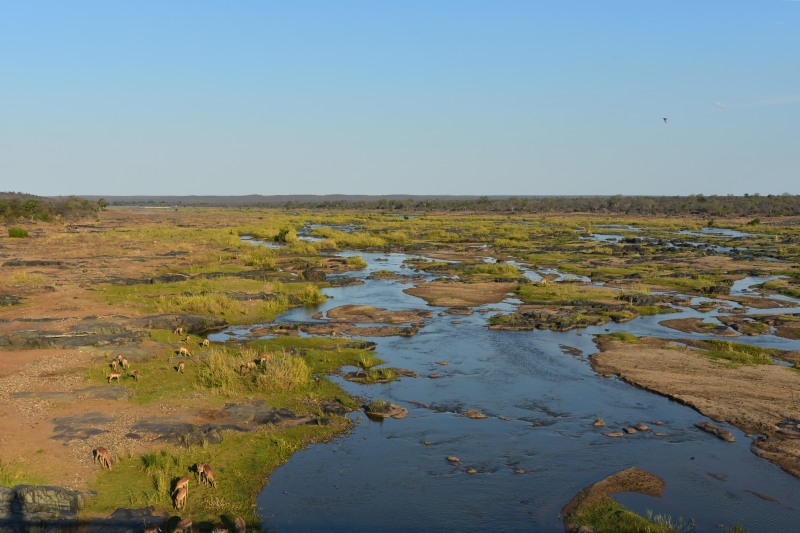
[456,294]
[758,399]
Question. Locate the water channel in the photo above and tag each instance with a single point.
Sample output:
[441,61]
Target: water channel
[535,451]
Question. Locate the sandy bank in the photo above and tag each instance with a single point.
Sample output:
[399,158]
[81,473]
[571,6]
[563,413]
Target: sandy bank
[760,399]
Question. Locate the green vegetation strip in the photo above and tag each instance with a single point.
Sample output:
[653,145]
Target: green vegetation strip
[241,463]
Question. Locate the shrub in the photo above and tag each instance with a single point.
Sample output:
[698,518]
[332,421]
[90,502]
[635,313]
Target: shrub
[18,233]
[286,235]
[357,261]
[311,295]
[284,372]
[219,374]
[261,257]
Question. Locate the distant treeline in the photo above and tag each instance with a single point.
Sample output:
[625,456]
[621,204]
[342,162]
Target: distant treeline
[711,206]
[18,206]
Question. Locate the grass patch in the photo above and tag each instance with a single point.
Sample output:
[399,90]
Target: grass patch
[739,354]
[17,473]
[22,278]
[564,293]
[608,516]
[622,336]
[242,464]
[356,261]
[284,372]
[18,233]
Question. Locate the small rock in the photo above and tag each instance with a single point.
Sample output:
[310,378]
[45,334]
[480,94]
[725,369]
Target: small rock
[629,430]
[658,423]
[453,459]
[599,423]
[519,471]
[472,471]
[434,376]
[660,434]
[443,363]
[614,434]
[426,443]
[474,414]
[642,427]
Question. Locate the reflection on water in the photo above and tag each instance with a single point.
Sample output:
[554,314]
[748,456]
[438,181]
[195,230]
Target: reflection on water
[395,476]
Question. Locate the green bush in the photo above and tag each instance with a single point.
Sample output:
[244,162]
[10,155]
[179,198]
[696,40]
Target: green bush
[284,372]
[18,233]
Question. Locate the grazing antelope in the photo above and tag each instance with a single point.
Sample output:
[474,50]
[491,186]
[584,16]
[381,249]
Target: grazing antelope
[265,358]
[152,529]
[240,525]
[124,363]
[183,525]
[187,339]
[178,330]
[205,343]
[113,365]
[183,350]
[208,474]
[220,528]
[114,375]
[251,365]
[102,456]
[179,498]
[181,366]
[198,469]
[135,375]
[180,484]
[243,369]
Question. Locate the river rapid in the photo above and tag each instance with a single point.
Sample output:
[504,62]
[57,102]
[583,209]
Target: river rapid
[536,450]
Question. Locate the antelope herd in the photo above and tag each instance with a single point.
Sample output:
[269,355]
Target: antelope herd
[179,493]
[121,362]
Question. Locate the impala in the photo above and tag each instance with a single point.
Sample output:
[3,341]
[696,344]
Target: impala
[179,498]
[102,456]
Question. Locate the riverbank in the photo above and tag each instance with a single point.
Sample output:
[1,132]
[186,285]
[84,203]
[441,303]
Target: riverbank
[760,400]
[88,296]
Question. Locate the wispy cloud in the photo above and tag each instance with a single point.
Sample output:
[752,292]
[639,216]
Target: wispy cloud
[769,102]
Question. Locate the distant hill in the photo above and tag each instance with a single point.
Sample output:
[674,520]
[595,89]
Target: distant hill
[301,199]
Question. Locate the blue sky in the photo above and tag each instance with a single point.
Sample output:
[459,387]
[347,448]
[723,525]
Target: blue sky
[505,97]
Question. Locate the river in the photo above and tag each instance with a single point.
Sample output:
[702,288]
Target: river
[394,475]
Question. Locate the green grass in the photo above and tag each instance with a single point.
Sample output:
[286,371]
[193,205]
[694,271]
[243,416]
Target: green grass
[16,473]
[738,354]
[564,293]
[608,516]
[242,464]
[356,261]
[18,233]
[623,336]
[208,297]
[493,270]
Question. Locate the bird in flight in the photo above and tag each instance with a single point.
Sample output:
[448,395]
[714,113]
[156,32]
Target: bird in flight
[665,120]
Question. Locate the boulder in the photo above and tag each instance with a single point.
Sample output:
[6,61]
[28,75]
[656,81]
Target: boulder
[23,505]
[196,324]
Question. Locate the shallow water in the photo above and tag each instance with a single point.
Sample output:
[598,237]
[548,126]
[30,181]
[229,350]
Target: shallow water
[394,475]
